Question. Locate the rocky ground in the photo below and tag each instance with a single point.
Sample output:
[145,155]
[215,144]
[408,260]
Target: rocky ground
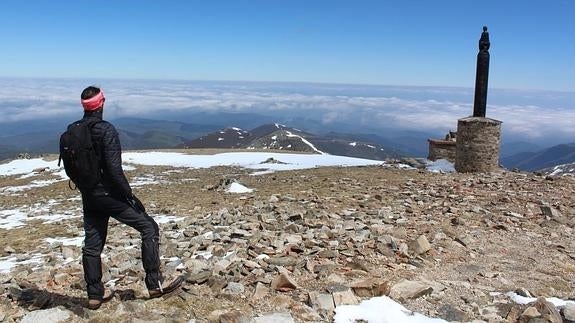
[305,242]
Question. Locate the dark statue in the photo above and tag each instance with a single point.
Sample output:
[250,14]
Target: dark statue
[484,40]
[482,75]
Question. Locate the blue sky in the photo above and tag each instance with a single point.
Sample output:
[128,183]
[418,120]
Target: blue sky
[356,42]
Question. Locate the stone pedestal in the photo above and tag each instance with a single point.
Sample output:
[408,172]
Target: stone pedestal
[478,142]
[441,149]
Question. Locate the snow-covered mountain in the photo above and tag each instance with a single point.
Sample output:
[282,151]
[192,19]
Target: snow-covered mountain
[280,137]
[560,170]
[232,137]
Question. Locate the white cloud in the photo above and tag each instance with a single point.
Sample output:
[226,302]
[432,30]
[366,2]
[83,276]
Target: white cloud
[530,114]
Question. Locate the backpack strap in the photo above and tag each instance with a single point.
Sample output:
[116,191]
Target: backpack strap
[91,124]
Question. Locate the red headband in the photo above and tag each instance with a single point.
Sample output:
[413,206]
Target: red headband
[94,102]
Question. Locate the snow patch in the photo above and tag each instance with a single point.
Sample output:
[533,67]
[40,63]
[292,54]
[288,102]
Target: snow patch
[33,184]
[440,166]
[77,241]
[263,172]
[26,166]
[238,188]
[526,300]
[204,254]
[7,263]
[160,219]
[380,310]
[251,160]
[144,180]
[10,219]
[14,218]
[128,168]
[305,141]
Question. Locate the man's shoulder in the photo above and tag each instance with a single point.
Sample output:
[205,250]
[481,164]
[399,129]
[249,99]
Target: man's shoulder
[91,122]
[103,125]
[103,128]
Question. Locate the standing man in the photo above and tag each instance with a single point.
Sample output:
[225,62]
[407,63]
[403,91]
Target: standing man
[112,196]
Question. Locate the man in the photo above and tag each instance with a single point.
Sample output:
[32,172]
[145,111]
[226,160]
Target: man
[112,197]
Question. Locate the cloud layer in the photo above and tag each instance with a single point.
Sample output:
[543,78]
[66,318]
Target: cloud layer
[524,114]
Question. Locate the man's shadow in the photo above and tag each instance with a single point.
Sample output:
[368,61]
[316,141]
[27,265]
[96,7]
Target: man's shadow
[32,298]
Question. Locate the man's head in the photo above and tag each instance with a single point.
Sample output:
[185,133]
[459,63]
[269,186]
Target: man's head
[92,98]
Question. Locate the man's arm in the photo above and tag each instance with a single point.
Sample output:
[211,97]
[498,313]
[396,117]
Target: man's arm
[113,160]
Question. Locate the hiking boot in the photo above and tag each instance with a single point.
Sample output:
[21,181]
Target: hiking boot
[95,304]
[165,288]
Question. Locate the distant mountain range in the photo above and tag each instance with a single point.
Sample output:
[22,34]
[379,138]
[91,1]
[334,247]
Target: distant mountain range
[281,137]
[542,159]
[212,130]
[154,134]
[38,137]
[8,152]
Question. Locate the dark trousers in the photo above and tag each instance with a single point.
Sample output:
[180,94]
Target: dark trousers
[98,208]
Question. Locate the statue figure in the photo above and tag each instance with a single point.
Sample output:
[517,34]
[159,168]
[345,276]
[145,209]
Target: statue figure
[484,40]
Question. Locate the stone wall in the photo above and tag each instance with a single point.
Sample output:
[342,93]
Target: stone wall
[478,143]
[441,149]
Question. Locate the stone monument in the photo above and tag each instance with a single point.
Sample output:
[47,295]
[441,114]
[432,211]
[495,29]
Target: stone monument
[443,148]
[478,137]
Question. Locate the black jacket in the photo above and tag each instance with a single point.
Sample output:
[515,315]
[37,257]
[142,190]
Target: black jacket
[107,143]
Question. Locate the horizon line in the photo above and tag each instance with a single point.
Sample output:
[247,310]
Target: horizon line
[279,82]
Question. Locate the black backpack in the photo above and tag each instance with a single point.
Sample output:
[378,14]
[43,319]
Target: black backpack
[81,158]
